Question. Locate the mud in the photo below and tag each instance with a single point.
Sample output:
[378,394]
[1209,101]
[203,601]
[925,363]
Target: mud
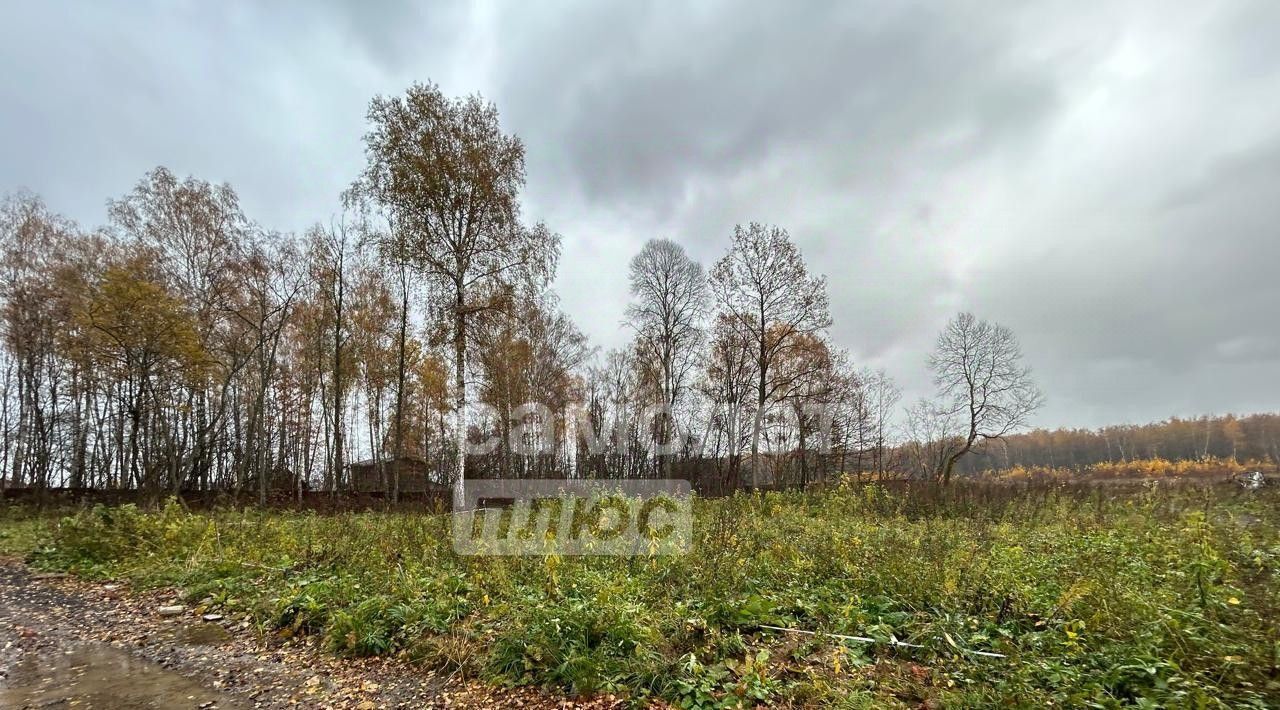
[95,675]
[203,634]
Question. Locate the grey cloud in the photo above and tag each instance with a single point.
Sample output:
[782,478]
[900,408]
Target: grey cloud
[271,99]
[1104,178]
[642,106]
[392,32]
[1188,298]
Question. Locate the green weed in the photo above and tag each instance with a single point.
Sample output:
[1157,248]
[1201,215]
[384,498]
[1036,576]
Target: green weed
[1104,596]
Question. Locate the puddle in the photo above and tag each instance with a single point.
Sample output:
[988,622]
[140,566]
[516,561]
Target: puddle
[100,676]
[204,634]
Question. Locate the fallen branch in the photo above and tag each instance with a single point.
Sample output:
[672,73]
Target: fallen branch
[867,639]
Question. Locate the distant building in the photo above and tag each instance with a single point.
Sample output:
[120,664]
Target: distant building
[378,475]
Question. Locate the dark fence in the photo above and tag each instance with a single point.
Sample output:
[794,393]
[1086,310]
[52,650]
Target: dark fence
[430,501]
[706,481]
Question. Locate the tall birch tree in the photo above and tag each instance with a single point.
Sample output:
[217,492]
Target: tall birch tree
[449,178]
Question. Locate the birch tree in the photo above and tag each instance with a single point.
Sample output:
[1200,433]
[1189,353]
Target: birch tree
[450,180]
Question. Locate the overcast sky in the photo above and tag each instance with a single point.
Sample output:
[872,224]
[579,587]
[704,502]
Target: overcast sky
[1102,177]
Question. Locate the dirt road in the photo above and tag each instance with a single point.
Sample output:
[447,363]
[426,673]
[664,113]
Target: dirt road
[67,643]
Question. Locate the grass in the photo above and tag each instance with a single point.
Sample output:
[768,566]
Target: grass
[1101,596]
[1152,468]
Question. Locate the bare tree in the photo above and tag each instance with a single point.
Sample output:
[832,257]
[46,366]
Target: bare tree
[977,366]
[192,228]
[669,301]
[529,359]
[931,438]
[271,279]
[814,373]
[450,181]
[764,288]
[880,396]
[330,262]
[727,384]
[192,231]
[31,240]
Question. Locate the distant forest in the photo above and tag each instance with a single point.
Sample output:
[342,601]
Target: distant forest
[1253,438]
[185,346]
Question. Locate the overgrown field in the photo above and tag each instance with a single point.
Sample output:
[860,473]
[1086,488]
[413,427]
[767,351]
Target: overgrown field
[1157,595]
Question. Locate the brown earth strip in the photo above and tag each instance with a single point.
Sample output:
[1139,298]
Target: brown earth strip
[65,642]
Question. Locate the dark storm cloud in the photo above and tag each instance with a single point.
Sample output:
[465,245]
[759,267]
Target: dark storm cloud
[836,121]
[644,104]
[1104,178]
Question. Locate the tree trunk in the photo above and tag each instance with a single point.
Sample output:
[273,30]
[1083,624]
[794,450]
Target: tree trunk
[460,403]
[398,448]
[337,397]
[953,458]
[804,463]
[755,446]
[762,367]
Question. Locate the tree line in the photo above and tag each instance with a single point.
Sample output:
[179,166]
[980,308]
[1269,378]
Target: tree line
[183,345]
[1252,439]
